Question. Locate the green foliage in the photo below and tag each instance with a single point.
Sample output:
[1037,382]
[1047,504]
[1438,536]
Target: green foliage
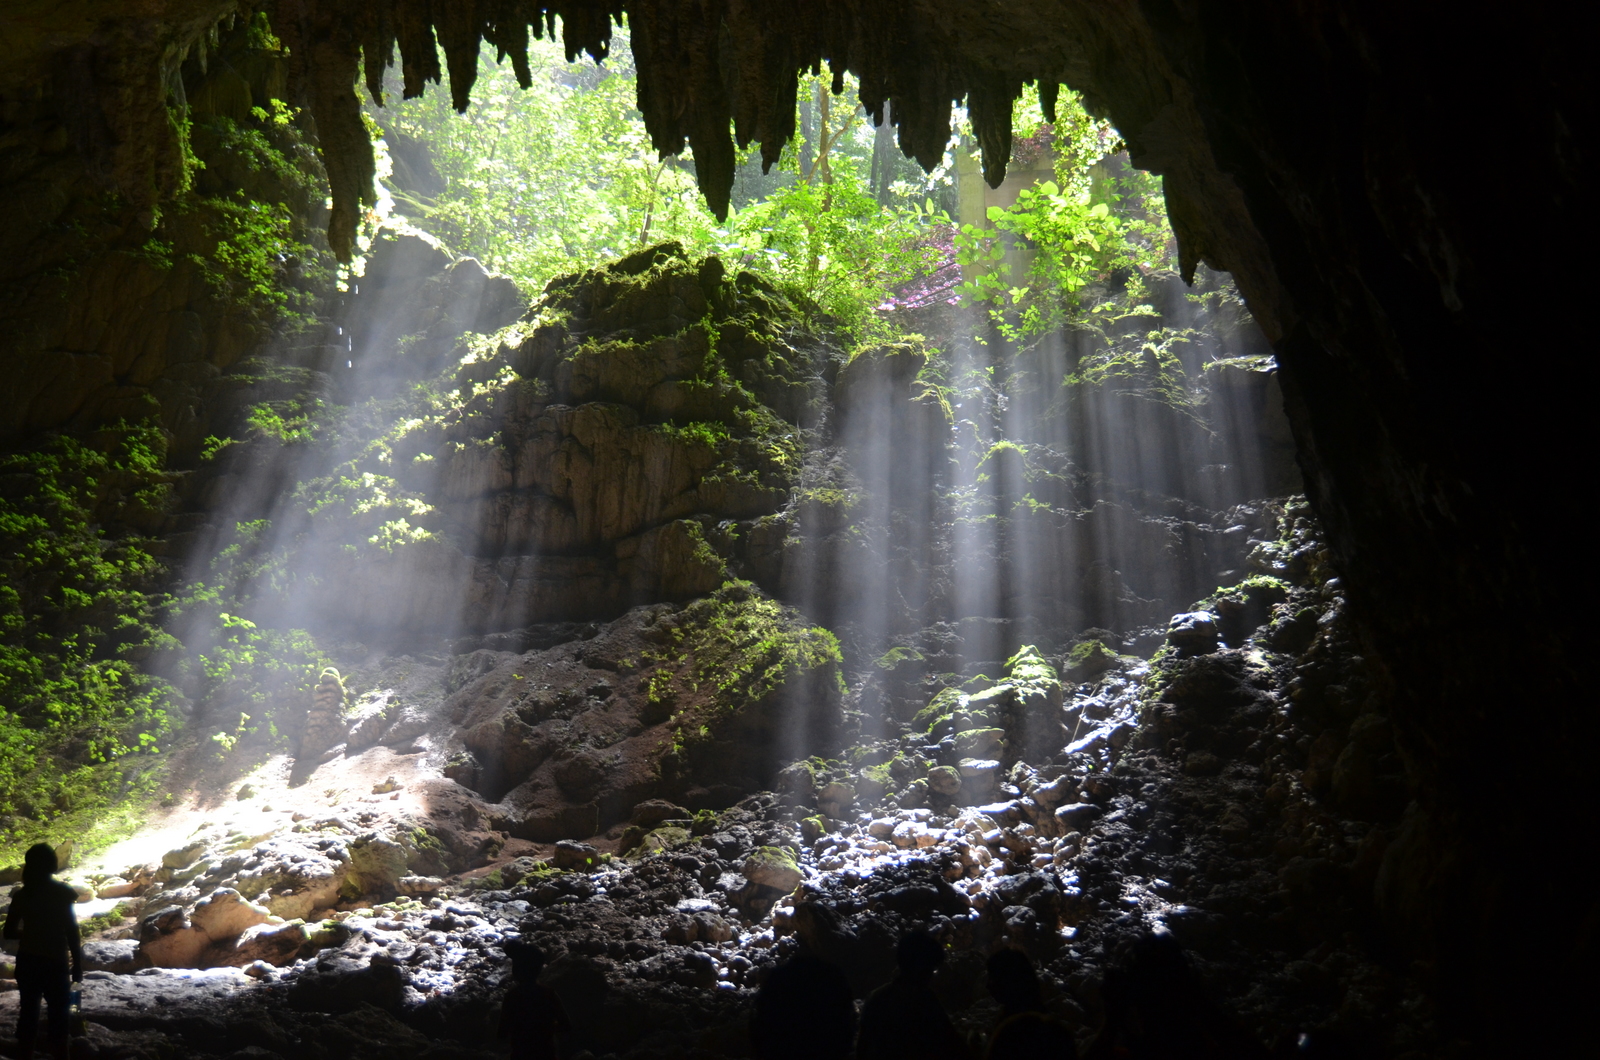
[892,658]
[561,176]
[111,918]
[732,650]
[1098,220]
[76,615]
[709,434]
[242,218]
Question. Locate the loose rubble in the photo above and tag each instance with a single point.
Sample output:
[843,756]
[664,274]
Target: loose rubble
[1239,796]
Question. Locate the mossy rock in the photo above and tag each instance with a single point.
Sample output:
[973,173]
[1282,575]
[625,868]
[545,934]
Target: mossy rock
[940,710]
[1089,660]
[1029,673]
[773,867]
[896,657]
[667,837]
[873,782]
[980,743]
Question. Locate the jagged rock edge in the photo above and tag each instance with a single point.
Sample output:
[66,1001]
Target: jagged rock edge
[691,90]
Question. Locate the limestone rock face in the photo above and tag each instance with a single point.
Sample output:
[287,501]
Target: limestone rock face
[627,442]
[575,738]
[218,930]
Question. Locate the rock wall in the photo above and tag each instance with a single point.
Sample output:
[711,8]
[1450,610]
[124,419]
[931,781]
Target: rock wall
[112,295]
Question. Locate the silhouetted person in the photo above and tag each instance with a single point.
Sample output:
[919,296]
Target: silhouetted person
[904,1020]
[1157,1009]
[51,950]
[804,1011]
[1024,1031]
[531,1015]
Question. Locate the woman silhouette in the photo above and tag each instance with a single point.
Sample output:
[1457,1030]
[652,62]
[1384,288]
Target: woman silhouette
[41,917]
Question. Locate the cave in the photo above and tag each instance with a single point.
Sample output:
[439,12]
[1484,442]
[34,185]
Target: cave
[711,638]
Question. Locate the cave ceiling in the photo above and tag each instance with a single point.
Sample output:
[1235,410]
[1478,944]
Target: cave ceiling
[712,74]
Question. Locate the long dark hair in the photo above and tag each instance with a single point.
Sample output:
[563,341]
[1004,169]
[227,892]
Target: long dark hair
[38,865]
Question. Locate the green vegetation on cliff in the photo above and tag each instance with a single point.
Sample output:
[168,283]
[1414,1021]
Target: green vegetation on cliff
[76,619]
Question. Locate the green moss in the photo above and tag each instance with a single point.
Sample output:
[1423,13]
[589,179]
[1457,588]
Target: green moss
[737,648]
[879,774]
[113,918]
[1090,659]
[1029,673]
[772,859]
[894,657]
[940,710]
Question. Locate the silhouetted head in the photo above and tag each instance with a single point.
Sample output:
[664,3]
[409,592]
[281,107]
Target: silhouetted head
[803,1011]
[39,864]
[527,961]
[918,954]
[1013,982]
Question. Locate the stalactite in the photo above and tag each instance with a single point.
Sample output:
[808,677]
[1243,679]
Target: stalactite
[712,74]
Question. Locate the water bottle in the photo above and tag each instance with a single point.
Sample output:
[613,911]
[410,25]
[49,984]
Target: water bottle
[75,1011]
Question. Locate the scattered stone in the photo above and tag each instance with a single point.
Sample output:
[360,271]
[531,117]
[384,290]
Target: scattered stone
[419,886]
[944,781]
[116,887]
[574,855]
[836,799]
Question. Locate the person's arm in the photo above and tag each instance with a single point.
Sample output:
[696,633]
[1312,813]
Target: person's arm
[13,928]
[75,942]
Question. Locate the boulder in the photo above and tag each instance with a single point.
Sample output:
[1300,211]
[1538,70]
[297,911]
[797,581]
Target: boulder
[652,812]
[1193,633]
[410,722]
[184,856]
[773,867]
[419,886]
[292,875]
[371,721]
[116,887]
[118,956]
[168,940]
[225,914]
[574,855]
[275,944]
[376,864]
[980,743]
[944,781]
[836,798]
